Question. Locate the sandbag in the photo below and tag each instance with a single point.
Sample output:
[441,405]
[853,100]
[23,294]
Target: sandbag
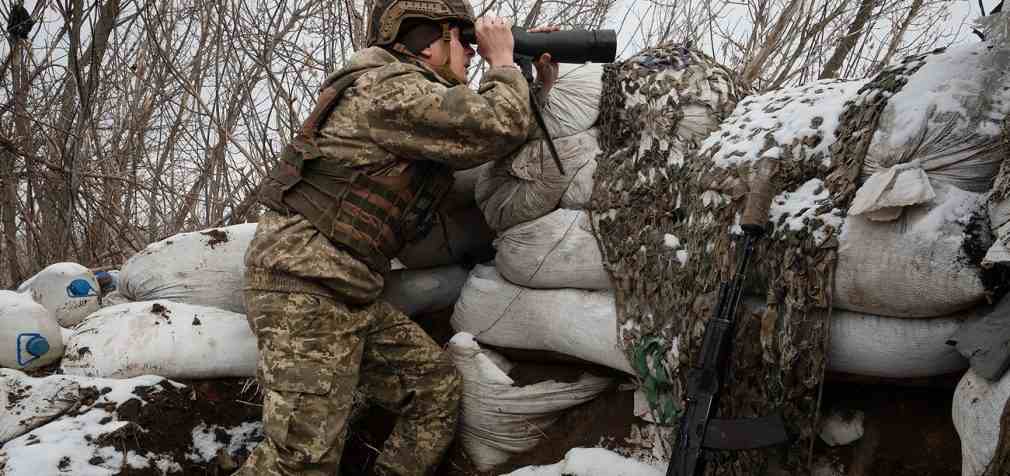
[977,410]
[68,290]
[555,251]
[573,322]
[529,185]
[915,266]
[29,334]
[875,346]
[573,103]
[584,324]
[499,419]
[931,129]
[29,403]
[986,342]
[165,338]
[204,268]
[417,291]
[457,236]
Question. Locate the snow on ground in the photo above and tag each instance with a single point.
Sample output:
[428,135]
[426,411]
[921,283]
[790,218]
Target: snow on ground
[592,462]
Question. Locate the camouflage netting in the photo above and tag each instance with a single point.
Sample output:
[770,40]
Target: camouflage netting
[664,203]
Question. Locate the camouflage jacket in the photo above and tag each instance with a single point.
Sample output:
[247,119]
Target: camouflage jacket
[395,112]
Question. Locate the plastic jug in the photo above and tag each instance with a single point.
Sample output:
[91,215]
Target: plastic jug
[68,290]
[29,334]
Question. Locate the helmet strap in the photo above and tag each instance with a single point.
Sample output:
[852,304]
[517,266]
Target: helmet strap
[445,70]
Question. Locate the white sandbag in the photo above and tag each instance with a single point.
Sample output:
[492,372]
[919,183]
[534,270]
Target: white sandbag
[29,403]
[29,334]
[68,290]
[456,236]
[839,428]
[573,322]
[165,338]
[555,251]
[529,185]
[915,266]
[948,118]
[573,103]
[977,411]
[500,420]
[877,346]
[205,268]
[417,291]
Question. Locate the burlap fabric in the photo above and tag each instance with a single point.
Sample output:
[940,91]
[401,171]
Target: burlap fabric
[662,212]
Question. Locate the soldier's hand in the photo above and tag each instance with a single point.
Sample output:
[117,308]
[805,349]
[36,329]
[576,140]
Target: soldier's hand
[547,70]
[494,40]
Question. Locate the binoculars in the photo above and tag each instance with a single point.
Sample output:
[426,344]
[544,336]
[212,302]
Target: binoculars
[571,46]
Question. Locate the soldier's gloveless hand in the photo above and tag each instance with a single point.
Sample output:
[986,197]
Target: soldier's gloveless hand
[494,40]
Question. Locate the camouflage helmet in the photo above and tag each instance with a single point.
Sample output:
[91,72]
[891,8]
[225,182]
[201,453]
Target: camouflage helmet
[388,16]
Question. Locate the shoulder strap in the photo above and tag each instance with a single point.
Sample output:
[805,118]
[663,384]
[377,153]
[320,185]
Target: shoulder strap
[328,99]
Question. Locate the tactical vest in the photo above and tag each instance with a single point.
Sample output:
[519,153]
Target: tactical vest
[369,215]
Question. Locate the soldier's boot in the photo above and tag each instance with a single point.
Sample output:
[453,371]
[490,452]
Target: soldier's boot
[408,373]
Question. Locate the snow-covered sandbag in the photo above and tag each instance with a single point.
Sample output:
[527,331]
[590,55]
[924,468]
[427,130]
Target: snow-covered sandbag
[915,266]
[945,124]
[68,290]
[29,333]
[165,338]
[500,420]
[456,236]
[875,346]
[529,185]
[555,251]
[29,403]
[593,462]
[978,409]
[573,104]
[573,322]
[417,291]
[205,268]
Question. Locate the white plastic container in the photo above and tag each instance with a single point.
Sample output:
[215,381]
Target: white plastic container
[68,290]
[29,335]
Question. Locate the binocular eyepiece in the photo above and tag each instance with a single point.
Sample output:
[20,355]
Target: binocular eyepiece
[570,46]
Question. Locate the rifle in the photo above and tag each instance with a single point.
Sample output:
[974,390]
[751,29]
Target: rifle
[698,429]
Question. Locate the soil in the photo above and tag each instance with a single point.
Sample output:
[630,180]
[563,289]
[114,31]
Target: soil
[171,415]
[216,237]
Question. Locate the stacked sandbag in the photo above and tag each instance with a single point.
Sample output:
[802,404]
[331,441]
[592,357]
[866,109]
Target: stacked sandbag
[529,185]
[583,324]
[500,419]
[204,268]
[29,333]
[68,290]
[164,338]
[573,322]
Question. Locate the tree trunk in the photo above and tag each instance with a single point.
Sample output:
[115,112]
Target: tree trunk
[848,42]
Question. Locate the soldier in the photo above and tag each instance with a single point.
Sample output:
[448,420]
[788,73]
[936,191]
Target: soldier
[363,177]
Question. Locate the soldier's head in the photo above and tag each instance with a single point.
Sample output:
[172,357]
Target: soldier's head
[427,29]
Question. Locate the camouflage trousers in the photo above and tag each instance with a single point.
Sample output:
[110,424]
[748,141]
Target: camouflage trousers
[314,351]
